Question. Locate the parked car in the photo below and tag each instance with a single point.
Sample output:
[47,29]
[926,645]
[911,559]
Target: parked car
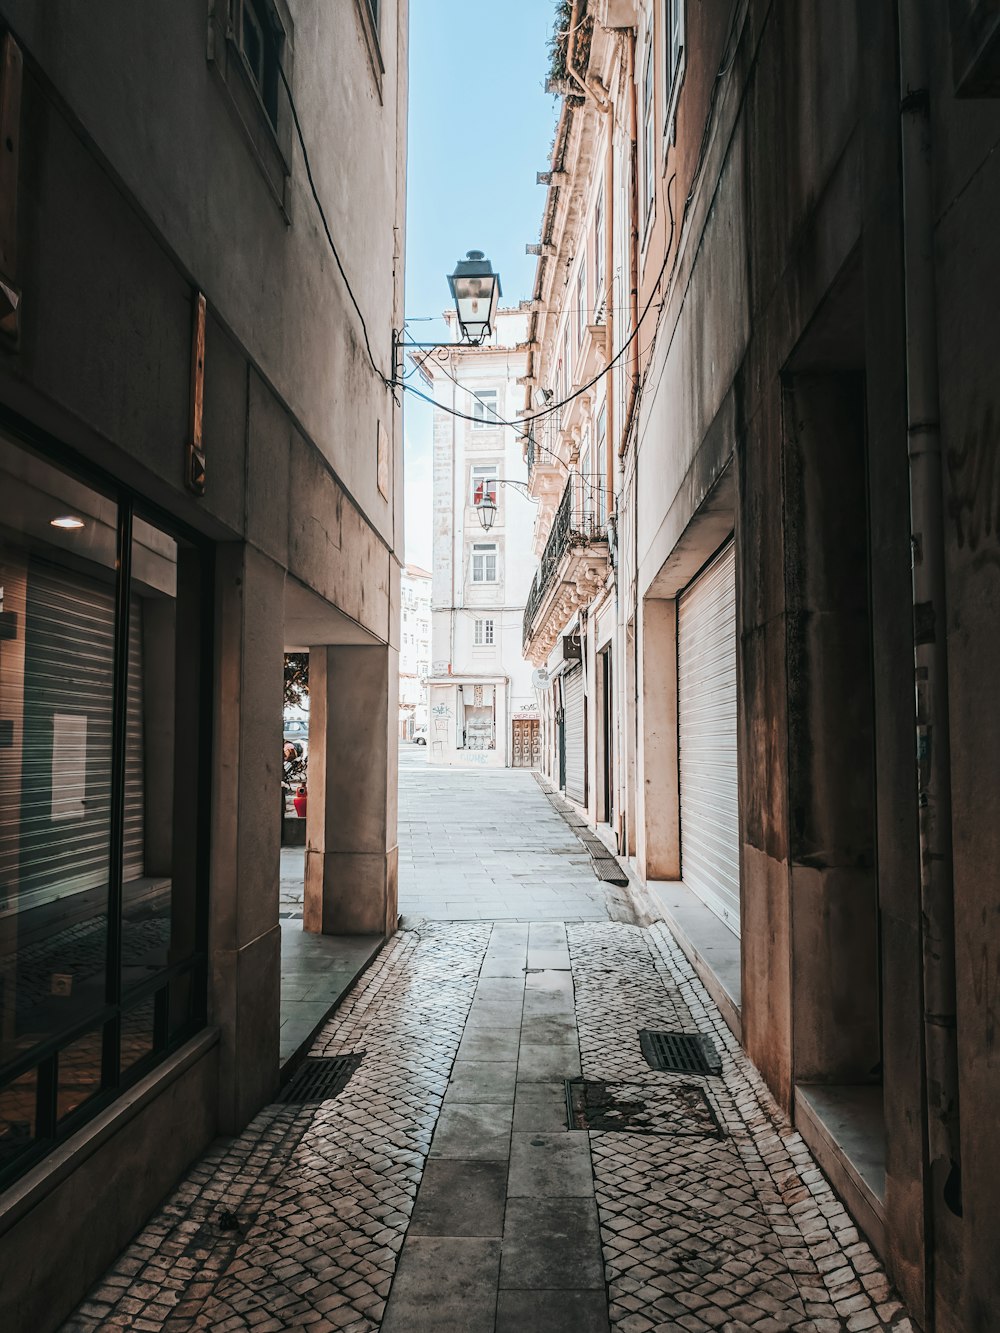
[419,736]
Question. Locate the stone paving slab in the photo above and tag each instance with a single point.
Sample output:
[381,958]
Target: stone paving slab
[518,1222]
[489,846]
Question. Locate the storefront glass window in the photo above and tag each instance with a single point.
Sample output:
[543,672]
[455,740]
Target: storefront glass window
[100,728]
[476,717]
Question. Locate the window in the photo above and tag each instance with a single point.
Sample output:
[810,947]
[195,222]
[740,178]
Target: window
[102,733]
[600,481]
[484,409]
[673,49]
[484,482]
[599,245]
[581,301]
[260,37]
[648,135]
[476,717]
[484,562]
[567,363]
[483,634]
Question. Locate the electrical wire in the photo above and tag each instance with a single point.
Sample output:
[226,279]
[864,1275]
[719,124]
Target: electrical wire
[583,388]
[389,384]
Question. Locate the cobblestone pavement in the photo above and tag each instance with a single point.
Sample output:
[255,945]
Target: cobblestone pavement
[311,1219]
[487,845]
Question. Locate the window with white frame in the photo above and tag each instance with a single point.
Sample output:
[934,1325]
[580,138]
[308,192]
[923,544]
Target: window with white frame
[484,482]
[600,480]
[483,633]
[484,562]
[484,409]
[599,242]
[581,301]
[648,135]
[567,362]
[673,27]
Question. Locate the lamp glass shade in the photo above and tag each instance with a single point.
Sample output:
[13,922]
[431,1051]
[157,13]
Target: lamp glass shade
[486,508]
[476,290]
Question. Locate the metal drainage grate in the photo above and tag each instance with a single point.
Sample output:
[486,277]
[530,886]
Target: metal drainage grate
[609,870]
[680,1052]
[321,1078]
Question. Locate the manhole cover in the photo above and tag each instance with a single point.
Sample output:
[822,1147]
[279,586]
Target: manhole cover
[634,1108]
[680,1052]
[321,1078]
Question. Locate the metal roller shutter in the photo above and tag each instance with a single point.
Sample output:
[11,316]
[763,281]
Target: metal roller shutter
[66,758]
[706,690]
[572,687]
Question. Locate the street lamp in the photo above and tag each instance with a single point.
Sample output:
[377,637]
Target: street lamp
[486,501]
[475,289]
[486,508]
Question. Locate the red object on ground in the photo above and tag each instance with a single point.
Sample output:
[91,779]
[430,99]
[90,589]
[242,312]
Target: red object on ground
[299,801]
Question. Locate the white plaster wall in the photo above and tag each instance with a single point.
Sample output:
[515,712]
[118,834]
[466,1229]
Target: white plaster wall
[457,601]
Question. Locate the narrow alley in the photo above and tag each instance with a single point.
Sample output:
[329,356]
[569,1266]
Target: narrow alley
[502,1156]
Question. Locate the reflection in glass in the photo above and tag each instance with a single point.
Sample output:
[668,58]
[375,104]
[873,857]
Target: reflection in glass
[17,1116]
[79,1072]
[138,1029]
[161,758]
[57,630]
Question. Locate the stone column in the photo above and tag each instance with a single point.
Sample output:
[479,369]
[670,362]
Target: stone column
[245,938]
[658,803]
[351,850]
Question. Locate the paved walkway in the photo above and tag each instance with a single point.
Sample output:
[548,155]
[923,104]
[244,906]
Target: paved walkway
[448,1187]
[485,845]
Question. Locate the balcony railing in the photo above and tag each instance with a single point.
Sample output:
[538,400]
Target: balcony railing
[573,525]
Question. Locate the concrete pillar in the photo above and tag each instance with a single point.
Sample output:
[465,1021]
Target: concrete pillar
[658,808]
[245,939]
[351,849]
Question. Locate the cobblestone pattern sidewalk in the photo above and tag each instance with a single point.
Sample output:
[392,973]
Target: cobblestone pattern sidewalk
[322,1194]
[701,1234]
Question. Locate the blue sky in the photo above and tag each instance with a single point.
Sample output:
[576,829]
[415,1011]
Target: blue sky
[480,126]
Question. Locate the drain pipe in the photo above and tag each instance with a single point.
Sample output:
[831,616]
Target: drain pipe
[929,622]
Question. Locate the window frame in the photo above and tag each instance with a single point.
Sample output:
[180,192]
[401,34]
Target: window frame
[581,301]
[479,475]
[674,63]
[120,999]
[599,243]
[484,632]
[648,136]
[484,551]
[481,418]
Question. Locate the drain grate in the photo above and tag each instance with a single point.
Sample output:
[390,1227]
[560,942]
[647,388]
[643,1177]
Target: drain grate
[681,1109]
[610,871]
[321,1078]
[680,1052]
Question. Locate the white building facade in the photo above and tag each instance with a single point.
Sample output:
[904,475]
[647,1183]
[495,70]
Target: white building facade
[482,710]
[414,649]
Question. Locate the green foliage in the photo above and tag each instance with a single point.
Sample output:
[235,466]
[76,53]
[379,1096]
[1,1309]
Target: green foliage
[296,679]
[560,40]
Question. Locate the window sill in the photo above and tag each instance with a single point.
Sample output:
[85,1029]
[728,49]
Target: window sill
[372,44]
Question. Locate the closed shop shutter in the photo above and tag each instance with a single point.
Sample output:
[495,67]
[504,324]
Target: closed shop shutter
[706,690]
[66,758]
[572,687]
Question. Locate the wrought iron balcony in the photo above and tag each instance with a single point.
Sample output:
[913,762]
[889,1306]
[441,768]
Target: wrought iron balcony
[576,531]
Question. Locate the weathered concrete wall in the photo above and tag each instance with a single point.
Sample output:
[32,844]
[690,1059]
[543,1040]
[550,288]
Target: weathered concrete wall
[191,171]
[965,138]
[138,187]
[128,1159]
